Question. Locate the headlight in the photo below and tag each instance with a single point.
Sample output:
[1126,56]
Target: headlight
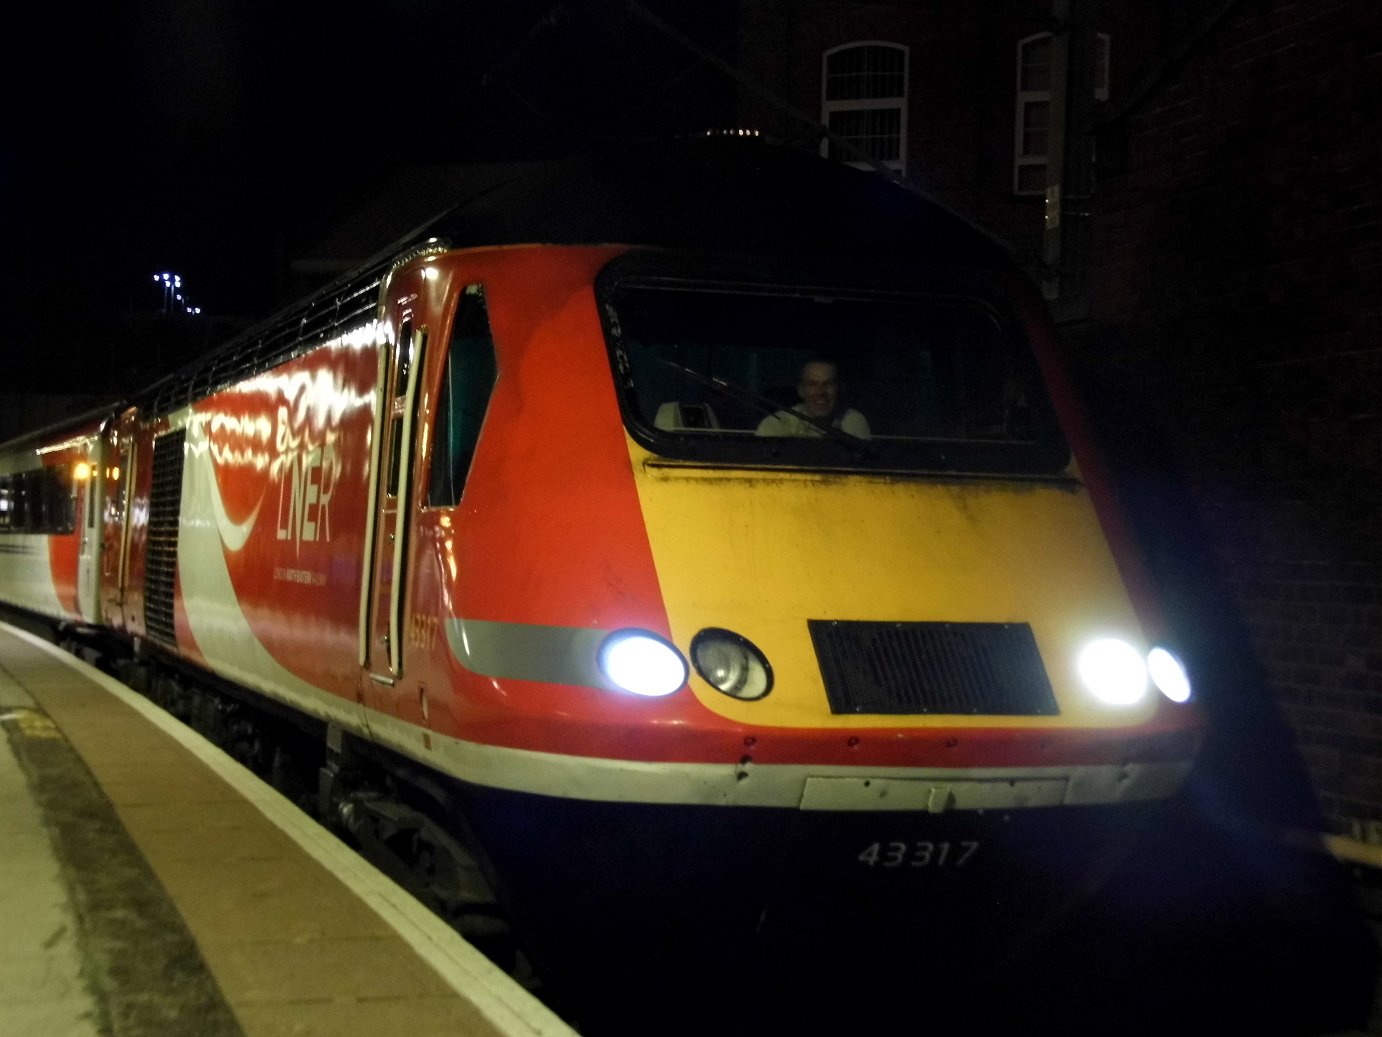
[641,663]
[731,664]
[1169,674]
[1113,671]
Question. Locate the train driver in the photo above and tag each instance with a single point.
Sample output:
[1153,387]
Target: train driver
[819,388]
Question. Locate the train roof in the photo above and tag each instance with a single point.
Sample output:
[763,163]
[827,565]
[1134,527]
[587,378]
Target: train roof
[83,423]
[725,194]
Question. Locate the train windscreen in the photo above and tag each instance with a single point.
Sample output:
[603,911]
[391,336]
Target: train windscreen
[813,377]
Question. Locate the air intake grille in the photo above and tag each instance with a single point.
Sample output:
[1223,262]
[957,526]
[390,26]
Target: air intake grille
[910,668]
[165,503]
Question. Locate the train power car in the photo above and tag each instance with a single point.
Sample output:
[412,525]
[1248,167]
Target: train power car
[688,563]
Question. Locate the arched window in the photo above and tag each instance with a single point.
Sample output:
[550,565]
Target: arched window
[864,101]
[1031,139]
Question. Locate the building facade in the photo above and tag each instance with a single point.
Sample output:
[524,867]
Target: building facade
[957,96]
[1237,291]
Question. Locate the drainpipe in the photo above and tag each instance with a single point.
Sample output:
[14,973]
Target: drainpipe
[1067,239]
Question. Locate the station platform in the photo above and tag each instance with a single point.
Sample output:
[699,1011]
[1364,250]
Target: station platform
[150,885]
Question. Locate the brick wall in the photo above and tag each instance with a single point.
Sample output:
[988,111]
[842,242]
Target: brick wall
[1237,316]
[961,89]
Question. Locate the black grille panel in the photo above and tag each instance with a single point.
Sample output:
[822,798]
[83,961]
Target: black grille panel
[165,504]
[909,668]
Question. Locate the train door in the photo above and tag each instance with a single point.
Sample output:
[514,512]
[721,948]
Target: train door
[393,504]
[118,474]
[89,547]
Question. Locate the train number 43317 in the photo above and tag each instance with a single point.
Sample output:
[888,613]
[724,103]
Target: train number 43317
[919,854]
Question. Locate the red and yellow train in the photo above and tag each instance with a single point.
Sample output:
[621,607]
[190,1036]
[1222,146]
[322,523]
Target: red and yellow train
[487,545]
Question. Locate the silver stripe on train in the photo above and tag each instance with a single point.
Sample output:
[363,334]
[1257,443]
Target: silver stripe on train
[528,652]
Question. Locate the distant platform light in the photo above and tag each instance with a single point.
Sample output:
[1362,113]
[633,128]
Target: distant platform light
[173,298]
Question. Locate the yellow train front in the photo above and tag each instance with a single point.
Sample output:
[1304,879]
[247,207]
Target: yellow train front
[790,626]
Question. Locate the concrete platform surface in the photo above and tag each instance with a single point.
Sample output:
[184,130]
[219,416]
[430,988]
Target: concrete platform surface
[150,885]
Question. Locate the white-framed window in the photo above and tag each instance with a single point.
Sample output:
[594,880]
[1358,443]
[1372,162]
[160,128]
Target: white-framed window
[1031,135]
[864,101]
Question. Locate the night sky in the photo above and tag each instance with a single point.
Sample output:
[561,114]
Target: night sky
[204,137]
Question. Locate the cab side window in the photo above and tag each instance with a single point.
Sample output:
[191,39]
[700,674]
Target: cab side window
[466,385]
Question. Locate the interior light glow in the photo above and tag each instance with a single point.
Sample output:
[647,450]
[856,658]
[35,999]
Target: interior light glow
[1169,674]
[1113,671]
[641,663]
[82,471]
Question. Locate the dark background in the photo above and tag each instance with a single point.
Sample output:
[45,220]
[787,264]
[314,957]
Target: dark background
[211,138]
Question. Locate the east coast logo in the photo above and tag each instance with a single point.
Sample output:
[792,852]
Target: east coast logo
[282,440]
[308,474]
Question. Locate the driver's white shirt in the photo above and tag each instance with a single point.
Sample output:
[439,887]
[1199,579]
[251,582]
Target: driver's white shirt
[790,423]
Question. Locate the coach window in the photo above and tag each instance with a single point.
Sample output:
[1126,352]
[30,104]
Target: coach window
[35,504]
[61,494]
[40,500]
[31,501]
[466,385]
[21,498]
